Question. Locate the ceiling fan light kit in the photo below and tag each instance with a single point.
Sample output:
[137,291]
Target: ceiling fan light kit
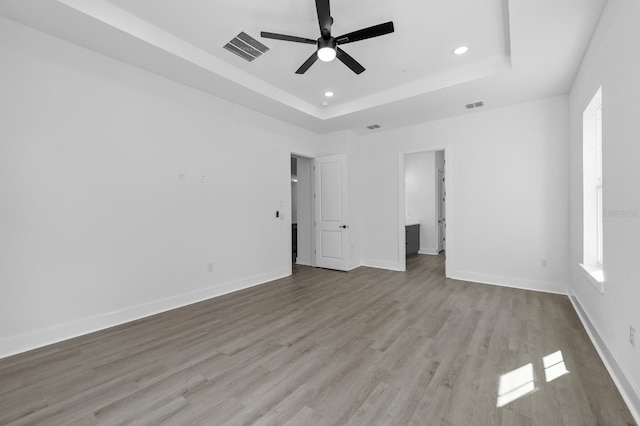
[326,49]
[327,46]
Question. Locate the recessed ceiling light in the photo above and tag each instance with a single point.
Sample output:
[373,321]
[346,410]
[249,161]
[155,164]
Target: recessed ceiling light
[461,50]
[328,94]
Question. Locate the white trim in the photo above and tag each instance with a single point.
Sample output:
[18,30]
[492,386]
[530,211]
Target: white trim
[429,251]
[594,274]
[521,283]
[381,264]
[402,216]
[47,336]
[630,395]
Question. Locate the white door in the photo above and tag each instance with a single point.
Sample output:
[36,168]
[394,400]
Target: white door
[332,229]
[441,212]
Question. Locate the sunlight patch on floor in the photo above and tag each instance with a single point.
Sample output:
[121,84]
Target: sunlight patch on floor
[515,384]
[554,366]
[521,381]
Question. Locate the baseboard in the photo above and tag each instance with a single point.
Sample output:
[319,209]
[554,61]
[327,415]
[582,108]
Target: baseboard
[525,284]
[429,251]
[28,341]
[380,264]
[354,265]
[620,378]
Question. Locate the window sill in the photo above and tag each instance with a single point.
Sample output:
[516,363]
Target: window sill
[595,275]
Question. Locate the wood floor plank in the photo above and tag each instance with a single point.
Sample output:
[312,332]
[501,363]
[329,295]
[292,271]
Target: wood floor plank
[322,347]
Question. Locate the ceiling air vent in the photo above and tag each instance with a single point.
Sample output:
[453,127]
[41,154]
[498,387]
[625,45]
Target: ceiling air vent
[373,127]
[246,47]
[474,105]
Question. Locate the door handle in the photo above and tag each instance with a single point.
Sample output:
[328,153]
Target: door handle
[343,226]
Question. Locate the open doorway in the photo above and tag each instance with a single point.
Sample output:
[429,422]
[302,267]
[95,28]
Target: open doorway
[301,210]
[423,210]
[319,214]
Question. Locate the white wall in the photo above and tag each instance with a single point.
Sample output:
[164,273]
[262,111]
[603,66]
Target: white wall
[420,197]
[96,229]
[612,62]
[509,191]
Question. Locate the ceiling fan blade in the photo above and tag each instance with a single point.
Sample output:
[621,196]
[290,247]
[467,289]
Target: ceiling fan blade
[349,61]
[307,64]
[284,37]
[324,17]
[365,33]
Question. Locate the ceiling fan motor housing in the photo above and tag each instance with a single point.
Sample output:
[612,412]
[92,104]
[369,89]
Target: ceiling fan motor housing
[330,43]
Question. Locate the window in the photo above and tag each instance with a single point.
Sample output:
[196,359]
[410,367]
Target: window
[593,256]
[598,189]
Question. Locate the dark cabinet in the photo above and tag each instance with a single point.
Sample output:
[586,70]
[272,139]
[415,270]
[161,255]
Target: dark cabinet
[412,238]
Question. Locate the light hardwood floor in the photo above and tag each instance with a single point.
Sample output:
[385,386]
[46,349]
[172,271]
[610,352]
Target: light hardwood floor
[365,347]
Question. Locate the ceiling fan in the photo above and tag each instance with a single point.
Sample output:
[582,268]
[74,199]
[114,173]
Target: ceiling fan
[328,46]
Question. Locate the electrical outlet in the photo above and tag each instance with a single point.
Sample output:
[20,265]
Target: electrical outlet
[544,263]
[203,179]
[210,267]
[182,175]
[632,335]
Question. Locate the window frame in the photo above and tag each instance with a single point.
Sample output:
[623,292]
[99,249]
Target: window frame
[593,201]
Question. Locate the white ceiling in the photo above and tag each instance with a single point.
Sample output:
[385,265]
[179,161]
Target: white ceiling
[520,50]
